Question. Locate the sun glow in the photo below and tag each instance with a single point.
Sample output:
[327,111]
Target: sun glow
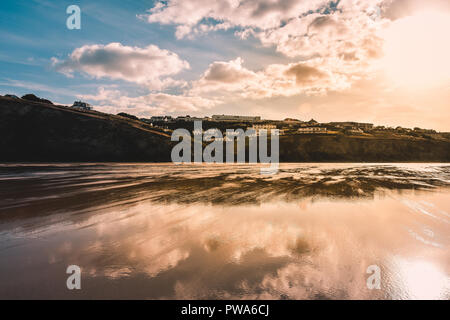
[417,50]
[420,280]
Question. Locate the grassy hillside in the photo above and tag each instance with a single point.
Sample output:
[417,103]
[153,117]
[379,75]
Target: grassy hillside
[33,131]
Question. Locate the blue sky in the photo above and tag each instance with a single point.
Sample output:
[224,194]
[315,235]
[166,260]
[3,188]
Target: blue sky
[35,31]
[329,60]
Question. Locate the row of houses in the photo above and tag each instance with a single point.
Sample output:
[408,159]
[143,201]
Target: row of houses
[352,125]
[288,121]
[217,118]
[312,130]
[312,127]
[309,127]
[234,118]
[288,124]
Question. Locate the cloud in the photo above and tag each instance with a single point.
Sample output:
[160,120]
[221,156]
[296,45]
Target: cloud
[232,80]
[201,14]
[342,34]
[324,35]
[102,95]
[149,66]
[228,72]
[396,9]
[114,101]
[305,74]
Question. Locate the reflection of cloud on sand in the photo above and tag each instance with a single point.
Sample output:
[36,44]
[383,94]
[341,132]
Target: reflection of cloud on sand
[135,246]
[278,250]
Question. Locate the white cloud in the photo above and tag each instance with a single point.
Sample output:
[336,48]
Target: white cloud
[348,36]
[233,80]
[149,66]
[227,72]
[261,14]
[114,101]
[395,9]
[343,37]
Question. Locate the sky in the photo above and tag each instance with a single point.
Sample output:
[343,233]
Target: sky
[379,61]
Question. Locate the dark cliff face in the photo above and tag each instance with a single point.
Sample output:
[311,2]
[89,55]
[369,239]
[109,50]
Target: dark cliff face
[32,131]
[318,148]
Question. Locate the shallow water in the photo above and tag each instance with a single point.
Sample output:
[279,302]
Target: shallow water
[160,231]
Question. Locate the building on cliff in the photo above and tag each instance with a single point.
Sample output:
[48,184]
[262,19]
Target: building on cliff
[81,105]
[312,130]
[234,118]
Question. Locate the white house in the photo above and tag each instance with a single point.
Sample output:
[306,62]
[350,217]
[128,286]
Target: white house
[267,127]
[82,105]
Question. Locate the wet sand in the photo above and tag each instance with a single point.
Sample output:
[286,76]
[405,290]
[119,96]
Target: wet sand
[161,231]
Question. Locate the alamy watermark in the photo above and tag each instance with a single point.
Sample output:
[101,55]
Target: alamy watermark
[374,280]
[74,20]
[74,280]
[235,147]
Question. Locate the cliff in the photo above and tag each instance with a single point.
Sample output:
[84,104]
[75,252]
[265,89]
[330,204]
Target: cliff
[35,131]
[343,148]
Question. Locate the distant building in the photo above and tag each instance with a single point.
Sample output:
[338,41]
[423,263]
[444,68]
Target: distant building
[234,118]
[312,130]
[157,119]
[264,126]
[188,118]
[160,119]
[352,125]
[267,127]
[81,105]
